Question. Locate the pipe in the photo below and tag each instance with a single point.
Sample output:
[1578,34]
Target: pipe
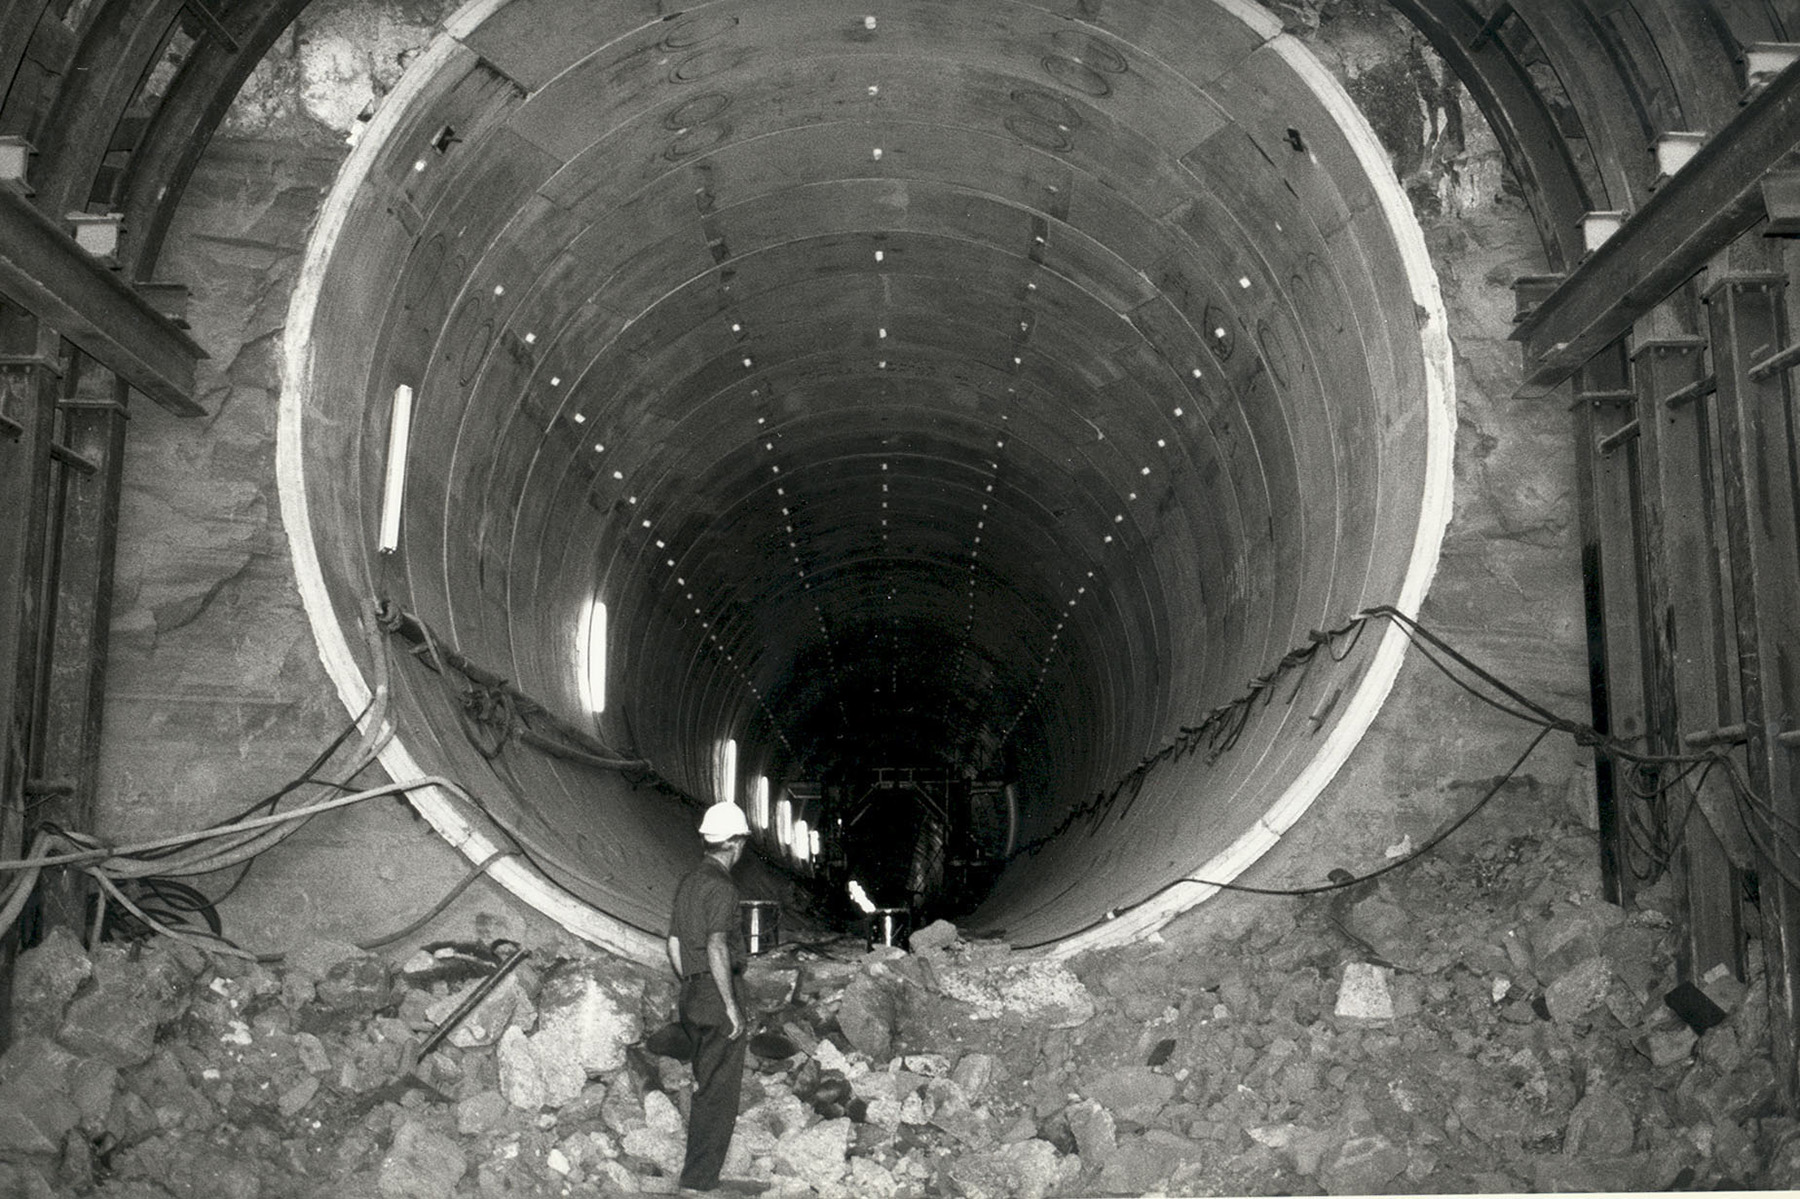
[1009,450]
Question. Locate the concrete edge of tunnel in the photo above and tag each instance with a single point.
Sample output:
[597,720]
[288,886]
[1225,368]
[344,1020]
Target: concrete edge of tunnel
[1436,504]
[439,809]
[588,922]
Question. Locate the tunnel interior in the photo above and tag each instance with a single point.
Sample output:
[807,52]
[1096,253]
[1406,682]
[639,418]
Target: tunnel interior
[949,404]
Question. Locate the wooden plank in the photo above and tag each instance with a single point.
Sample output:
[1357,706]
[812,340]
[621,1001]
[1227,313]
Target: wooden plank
[1691,217]
[1747,314]
[1687,611]
[45,273]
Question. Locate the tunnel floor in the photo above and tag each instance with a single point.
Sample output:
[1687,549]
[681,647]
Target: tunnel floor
[1272,1055]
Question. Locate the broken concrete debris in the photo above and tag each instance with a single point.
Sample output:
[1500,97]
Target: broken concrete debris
[1517,1033]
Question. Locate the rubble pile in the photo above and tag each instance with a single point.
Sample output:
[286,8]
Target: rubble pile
[1474,1022]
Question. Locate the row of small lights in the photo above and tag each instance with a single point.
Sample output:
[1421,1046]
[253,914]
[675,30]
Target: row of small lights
[748,362]
[669,562]
[792,536]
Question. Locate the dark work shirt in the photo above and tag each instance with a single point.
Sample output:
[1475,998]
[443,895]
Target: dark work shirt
[706,902]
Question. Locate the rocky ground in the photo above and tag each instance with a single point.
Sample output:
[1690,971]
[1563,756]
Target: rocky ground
[1477,1021]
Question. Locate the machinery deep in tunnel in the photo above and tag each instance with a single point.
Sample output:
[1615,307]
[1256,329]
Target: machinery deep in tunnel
[927,391]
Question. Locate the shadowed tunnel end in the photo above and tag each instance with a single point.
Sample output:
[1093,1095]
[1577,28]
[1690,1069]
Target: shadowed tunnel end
[970,389]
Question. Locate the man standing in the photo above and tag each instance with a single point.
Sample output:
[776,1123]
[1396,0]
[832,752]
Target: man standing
[706,950]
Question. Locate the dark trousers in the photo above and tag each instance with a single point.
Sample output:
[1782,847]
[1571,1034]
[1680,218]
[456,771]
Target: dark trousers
[718,1076]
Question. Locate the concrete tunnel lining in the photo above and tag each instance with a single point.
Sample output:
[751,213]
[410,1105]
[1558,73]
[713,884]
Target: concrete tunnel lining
[1306,477]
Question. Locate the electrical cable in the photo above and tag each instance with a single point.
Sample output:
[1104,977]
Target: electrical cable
[1432,843]
[1657,842]
[475,871]
[219,944]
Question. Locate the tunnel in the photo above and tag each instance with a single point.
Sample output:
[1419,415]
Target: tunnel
[799,394]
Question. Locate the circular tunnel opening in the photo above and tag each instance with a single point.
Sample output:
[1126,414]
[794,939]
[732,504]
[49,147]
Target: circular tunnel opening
[908,422]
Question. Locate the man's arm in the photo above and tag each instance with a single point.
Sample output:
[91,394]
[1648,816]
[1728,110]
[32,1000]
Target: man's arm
[675,954]
[718,956]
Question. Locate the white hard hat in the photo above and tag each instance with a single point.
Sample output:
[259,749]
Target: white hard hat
[724,821]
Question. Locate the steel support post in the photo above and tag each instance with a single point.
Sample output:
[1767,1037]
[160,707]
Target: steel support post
[1615,690]
[30,368]
[42,270]
[74,677]
[1686,610]
[1696,214]
[1757,436]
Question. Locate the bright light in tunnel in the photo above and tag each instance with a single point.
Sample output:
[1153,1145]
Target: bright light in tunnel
[812,846]
[784,823]
[394,490]
[728,766]
[590,658]
[802,842]
[759,804]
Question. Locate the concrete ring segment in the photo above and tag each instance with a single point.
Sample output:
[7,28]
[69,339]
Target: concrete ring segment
[975,378]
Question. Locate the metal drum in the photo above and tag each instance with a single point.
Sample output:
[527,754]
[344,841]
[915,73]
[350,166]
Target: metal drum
[760,920]
[889,926]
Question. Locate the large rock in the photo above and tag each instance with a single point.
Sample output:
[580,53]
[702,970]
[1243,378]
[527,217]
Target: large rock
[1362,1166]
[867,1017]
[952,1112]
[939,934]
[421,1164]
[661,1114]
[666,1149]
[1571,937]
[1035,991]
[362,984]
[872,1180]
[1133,1093]
[1667,1046]
[973,1073]
[1304,1147]
[480,1113]
[1621,1175]
[116,1019]
[584,1024]
[818,1154]
[1601,1123]
[1095,1133]
[36,1109]
[1364,995]
[1135,1167]
[1027,1170]
[1579,990]
[767,986]
[1385,927]
[521,1079]
[45,978]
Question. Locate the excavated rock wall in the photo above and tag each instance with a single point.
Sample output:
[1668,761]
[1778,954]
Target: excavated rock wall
[216,693]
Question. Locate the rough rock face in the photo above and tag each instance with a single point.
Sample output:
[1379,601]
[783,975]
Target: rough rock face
[1530,1045]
